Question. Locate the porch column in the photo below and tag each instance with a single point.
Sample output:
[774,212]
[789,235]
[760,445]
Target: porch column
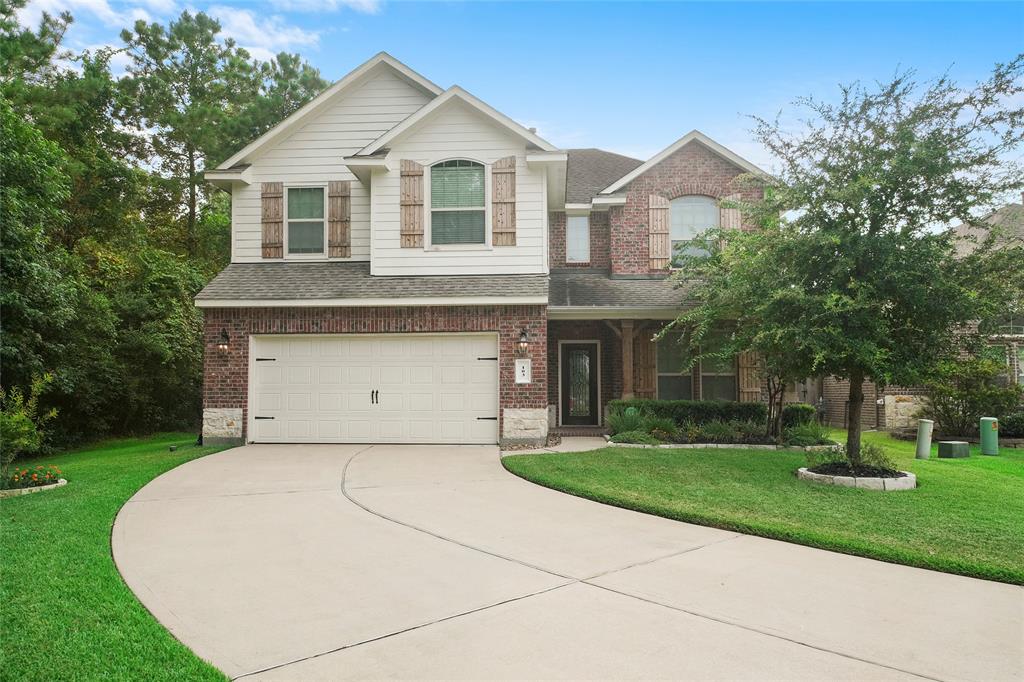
[627,359]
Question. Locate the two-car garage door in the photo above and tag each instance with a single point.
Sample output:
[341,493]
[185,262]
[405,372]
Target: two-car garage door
[400,388]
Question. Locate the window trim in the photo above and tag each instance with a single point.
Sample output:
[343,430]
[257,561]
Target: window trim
[574,261]
[672,242]
[735,374]
[428,210]
[658,374]
[304,256]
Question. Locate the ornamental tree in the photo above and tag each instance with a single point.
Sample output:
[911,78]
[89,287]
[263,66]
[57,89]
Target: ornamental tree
[858,279]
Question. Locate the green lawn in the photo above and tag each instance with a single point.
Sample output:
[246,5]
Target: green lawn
[64,611]
[966,516]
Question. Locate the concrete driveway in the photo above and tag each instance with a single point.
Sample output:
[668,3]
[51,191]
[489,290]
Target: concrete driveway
[331,562]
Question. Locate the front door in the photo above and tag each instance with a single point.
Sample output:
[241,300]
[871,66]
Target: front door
[579,383]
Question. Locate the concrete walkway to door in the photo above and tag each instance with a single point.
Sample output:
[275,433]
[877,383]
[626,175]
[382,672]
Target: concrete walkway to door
[354,562]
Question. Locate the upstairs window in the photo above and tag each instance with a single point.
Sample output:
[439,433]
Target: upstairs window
[457,209]
[577,239]
[305,219]
[689,217]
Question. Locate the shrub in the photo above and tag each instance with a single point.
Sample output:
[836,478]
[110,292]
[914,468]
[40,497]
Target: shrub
[31,478]
[626,420]
[638,437]
[718,432]
[965,390]
[808,433]
[795,414]
[662,428]
[874,461]
[1012,425]
[696,411]
[21,424]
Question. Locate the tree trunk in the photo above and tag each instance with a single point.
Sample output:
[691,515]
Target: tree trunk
[190,228]
[856,406]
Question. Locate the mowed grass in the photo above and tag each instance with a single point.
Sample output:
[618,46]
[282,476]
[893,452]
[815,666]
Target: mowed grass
[64,611]
[966,516]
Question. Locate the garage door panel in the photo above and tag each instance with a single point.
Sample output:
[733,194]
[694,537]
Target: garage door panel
[428,388]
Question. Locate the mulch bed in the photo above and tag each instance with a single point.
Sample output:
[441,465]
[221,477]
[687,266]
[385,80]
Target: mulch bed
[844,469]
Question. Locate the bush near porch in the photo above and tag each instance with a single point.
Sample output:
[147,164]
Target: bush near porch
[964,517]
[694,411]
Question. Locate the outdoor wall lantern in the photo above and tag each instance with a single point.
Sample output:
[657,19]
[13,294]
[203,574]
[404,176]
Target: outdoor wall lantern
[222,344]
[524,342]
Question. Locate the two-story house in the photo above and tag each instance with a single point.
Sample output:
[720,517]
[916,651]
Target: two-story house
[410,265]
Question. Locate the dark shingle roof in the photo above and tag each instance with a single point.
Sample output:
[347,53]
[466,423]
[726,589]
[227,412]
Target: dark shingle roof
[591,170]
[577,289]
[341,280]
[1009,218]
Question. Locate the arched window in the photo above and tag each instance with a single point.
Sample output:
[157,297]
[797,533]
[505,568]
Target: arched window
[457,202]
[689,216]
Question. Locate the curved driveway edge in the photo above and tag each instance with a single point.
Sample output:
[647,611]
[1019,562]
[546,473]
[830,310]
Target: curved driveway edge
[331,562]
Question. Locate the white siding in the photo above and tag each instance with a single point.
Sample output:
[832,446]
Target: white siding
[314,152]
[457,131]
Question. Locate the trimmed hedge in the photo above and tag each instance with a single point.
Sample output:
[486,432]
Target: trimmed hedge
[695,411]
[1012,425]
[797,414]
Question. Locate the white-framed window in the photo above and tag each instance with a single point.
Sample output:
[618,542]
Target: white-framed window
[577,239]
[689,217]
[717,375]
[458,209]
[675,382]
[305,211]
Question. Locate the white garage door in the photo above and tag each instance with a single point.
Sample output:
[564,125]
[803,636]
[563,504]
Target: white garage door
[401,388]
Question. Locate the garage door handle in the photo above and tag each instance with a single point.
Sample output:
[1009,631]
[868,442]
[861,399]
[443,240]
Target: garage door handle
[487,358]
[262,417]
[482,419]
[266,359]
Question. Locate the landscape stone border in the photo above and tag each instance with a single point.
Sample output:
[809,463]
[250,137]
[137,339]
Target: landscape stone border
[906,482]
[15,492]
[733,446]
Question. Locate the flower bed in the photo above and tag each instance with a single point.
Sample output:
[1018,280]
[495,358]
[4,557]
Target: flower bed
[39,477]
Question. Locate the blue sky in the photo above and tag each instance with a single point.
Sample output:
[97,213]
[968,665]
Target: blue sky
[629,77]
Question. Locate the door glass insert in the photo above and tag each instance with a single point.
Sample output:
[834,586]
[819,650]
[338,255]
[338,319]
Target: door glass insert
[579,382]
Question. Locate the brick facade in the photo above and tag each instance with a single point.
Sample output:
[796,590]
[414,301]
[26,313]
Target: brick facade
[693,169]
[610,357]
[600,238]
[226,373]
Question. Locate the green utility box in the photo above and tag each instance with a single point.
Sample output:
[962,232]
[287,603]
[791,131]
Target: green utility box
[954,449]
[989,436]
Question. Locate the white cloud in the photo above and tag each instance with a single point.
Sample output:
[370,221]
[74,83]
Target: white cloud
[100,9]
[362,6]
[262,36]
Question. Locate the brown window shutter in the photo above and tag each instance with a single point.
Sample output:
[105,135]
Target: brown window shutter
[644,365]
[503,202]
[731,217]
[412,204]
[749,364]
[339,219]
[657,226]
[272,200]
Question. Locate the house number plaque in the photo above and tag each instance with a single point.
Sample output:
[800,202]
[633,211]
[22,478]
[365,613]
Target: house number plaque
[523,370]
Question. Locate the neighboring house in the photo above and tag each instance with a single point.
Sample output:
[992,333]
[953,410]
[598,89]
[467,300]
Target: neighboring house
[410,265]
[897,407]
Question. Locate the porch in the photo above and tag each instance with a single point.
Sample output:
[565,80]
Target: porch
[594,361]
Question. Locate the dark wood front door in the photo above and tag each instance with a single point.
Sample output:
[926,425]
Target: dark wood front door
[579,383]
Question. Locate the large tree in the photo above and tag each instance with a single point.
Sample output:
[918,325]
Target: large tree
[858,280]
